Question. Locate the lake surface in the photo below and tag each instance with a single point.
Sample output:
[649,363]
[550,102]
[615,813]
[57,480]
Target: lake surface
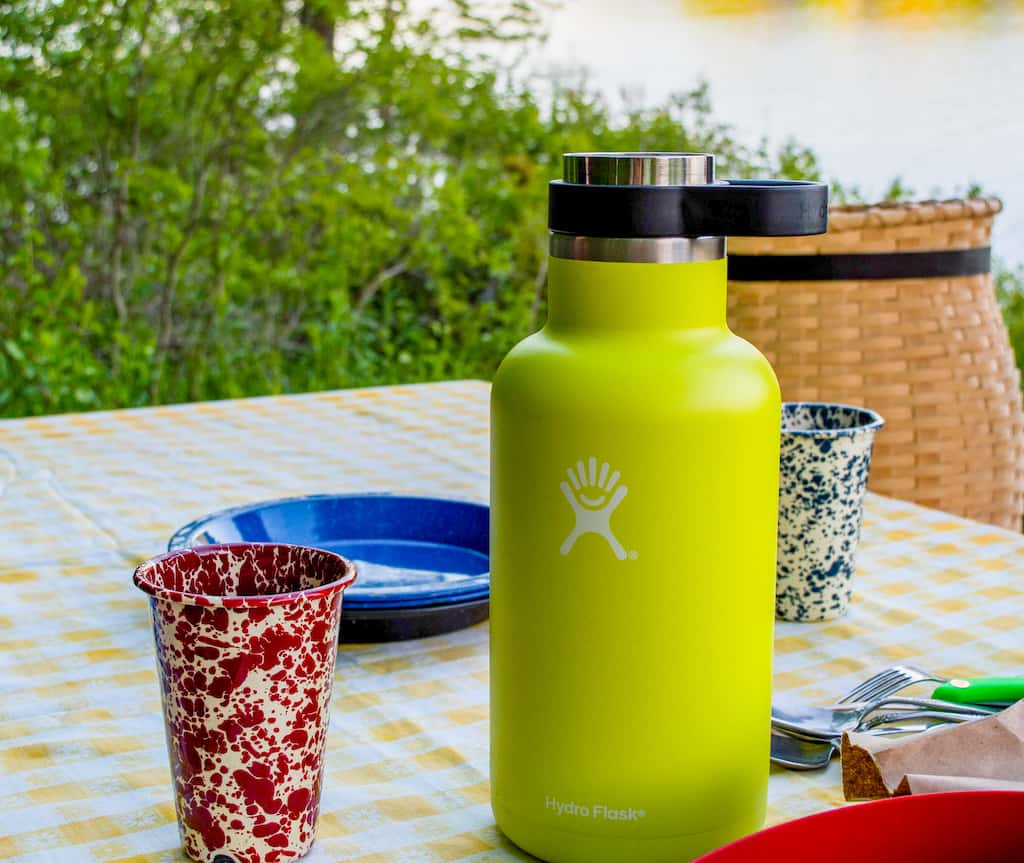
[918,89]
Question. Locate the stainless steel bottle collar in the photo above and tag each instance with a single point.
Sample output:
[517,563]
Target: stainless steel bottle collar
[637,250]
[668,208]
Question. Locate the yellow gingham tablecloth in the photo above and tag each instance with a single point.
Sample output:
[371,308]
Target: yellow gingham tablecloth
[83,498]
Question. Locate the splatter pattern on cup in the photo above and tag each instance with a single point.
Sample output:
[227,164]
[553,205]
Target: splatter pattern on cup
[824,462]
[246,638]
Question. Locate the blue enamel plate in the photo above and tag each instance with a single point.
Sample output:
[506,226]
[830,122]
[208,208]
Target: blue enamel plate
[411,552]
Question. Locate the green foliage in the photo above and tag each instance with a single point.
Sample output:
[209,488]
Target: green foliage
[843,193]
[1010,293]
[205,198]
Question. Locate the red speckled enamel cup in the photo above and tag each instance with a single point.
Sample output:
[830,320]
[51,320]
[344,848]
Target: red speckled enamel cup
[246,638]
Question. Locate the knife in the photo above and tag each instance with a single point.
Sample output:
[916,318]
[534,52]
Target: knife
[981,690]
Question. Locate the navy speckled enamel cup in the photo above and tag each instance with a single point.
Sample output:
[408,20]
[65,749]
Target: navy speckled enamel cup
[824,463]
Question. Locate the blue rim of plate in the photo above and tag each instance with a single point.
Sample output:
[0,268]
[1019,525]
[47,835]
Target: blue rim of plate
[410,551]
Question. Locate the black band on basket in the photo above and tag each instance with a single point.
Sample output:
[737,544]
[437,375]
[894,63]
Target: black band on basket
[886,265]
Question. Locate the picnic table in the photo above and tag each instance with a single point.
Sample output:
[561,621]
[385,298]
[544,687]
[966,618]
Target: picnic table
[84,498]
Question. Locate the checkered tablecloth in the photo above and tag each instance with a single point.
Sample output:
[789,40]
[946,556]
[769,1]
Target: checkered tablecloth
[83,498]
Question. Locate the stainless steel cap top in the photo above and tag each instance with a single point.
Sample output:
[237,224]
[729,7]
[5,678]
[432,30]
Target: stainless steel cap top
[638,169]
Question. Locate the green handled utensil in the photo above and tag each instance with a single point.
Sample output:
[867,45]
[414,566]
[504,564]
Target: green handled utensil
[981,690]
[995,691]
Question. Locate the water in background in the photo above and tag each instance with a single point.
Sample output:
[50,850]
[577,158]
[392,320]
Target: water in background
[919,89]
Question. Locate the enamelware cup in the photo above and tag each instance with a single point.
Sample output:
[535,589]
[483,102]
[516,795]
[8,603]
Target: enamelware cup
[246,639]
[824,463]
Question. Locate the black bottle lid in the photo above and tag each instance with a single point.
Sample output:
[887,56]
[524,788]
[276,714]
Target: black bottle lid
[631,195]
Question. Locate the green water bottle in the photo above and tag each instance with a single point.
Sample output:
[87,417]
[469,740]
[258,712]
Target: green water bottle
[634,471]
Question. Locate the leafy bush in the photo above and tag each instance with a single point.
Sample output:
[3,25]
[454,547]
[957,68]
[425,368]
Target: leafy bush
[1010,292]
[217,198]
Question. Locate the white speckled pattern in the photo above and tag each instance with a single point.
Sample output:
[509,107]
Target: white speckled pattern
[824,463]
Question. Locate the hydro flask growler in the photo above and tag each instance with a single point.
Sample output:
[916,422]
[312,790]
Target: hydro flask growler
[634,495]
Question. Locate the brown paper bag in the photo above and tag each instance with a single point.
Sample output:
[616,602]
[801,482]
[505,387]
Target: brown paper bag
[983,753]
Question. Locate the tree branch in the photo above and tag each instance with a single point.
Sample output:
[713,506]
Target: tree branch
[169,287]
[317,17]
[370,289]
[121,195]
[170,284]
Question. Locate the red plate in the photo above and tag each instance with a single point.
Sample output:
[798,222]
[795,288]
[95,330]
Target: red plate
[956,827]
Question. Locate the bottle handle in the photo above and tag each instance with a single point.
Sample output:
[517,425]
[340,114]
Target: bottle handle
[757,208]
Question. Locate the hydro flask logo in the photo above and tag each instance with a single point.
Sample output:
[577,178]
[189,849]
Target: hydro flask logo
[594,494]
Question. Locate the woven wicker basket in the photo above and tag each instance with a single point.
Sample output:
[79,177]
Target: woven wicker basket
[894,309]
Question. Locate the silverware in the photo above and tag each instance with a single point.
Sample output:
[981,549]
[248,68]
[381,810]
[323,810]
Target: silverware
[802,753]
[994,691]
[796,750]
[828,722]
[798,753]
[934,717]
[886,682]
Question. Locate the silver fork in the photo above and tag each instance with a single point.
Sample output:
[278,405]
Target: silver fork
[878,720]
[886,682]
